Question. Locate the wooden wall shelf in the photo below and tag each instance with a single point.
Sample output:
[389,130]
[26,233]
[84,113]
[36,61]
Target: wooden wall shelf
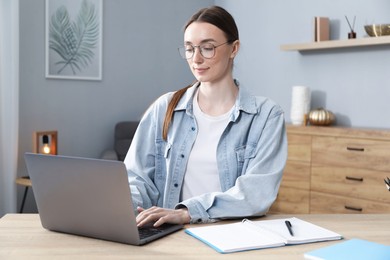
[337,44]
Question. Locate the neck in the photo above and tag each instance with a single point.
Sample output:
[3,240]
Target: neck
[217,99]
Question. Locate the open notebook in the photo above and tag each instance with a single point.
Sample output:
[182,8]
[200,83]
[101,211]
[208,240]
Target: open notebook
[249,235]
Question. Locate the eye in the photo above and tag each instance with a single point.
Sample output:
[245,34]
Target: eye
[207,47]
[188,48]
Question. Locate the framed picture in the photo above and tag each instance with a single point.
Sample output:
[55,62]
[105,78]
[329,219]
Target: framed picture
[74,37]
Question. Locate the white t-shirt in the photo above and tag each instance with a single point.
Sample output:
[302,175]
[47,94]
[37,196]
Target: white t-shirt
[202,172]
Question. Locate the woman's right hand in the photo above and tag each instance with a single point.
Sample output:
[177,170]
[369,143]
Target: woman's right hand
[159,216]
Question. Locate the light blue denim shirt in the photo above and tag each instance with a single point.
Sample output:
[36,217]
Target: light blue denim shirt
[251,156]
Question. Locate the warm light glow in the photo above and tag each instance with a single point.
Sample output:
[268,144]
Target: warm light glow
[45,146]
[45,142]
[45,149]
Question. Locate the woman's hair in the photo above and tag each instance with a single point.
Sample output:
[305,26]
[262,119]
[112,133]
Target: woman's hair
[218,17]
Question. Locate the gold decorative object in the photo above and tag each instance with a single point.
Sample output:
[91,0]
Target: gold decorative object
[387,181]
[375,30]
[321,116]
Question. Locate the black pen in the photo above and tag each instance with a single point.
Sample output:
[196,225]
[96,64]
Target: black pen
[289,227]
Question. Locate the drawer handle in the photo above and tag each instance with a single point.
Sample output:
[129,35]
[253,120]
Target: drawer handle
[356,149]
[354,178]
[353,208]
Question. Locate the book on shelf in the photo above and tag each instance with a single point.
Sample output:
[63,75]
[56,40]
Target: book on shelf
[260,234]
[356,249]
[321,29]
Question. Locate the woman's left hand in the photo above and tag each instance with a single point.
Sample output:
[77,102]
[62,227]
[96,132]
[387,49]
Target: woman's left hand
[159,216]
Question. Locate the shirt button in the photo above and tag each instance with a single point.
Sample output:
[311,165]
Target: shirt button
[199,220]
[193,128]
[176,185]
[182,155]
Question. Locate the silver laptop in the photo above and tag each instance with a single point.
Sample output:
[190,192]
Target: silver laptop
[87,197]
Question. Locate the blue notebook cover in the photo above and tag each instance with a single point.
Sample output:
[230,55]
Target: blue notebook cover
[356,249]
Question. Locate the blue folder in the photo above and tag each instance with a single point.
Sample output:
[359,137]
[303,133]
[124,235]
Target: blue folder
[356,249]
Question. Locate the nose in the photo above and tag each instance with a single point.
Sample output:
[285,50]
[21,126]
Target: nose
[197,58]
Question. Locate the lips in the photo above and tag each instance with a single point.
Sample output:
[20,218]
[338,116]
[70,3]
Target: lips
[200,70]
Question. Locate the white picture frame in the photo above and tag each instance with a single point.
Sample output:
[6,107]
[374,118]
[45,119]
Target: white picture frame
[74,39]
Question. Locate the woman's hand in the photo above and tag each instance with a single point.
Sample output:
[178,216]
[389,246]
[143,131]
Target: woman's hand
[159,216]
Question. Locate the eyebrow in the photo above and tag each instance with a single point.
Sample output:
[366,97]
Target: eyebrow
[203,41]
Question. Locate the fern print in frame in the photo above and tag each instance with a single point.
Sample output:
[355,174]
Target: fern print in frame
[74,39]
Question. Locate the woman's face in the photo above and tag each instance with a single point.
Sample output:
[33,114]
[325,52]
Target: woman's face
[217,68]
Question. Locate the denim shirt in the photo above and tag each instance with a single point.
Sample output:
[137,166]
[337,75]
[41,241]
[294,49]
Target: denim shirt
[251,156]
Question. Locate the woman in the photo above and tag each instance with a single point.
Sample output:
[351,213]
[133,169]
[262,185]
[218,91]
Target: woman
[209,151]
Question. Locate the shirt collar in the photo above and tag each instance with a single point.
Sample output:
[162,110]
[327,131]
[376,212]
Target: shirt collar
[245,101]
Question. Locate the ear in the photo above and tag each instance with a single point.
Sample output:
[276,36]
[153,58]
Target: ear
[236,47]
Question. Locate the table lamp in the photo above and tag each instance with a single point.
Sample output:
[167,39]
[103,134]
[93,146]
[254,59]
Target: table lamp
[45,142]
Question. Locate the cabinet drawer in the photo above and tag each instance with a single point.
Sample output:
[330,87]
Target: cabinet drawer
[351,152]
[290,200]
[324,203]
[296,175]
[357,183]
[299,147]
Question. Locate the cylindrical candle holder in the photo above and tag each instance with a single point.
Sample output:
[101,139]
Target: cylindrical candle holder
[300,104]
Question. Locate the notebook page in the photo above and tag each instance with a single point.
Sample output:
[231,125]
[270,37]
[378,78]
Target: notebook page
[304,232]
[265,231]
[234,237]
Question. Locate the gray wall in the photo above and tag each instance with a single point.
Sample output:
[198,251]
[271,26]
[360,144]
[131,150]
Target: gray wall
[353,83]
[140,62]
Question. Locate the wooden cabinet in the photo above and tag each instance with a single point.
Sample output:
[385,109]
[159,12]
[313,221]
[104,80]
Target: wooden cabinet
[294,193]
[335,170]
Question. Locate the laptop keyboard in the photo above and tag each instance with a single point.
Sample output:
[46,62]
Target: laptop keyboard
[145,232]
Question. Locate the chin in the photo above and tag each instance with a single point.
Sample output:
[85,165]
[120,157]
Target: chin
[201,78]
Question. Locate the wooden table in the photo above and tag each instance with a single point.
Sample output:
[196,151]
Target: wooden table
[22,236]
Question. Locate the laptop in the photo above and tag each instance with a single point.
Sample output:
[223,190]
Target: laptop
[88,197]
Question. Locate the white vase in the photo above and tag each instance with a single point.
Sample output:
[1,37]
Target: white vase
[300,104]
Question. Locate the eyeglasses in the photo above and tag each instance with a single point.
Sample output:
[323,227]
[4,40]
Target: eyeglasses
[207,50]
